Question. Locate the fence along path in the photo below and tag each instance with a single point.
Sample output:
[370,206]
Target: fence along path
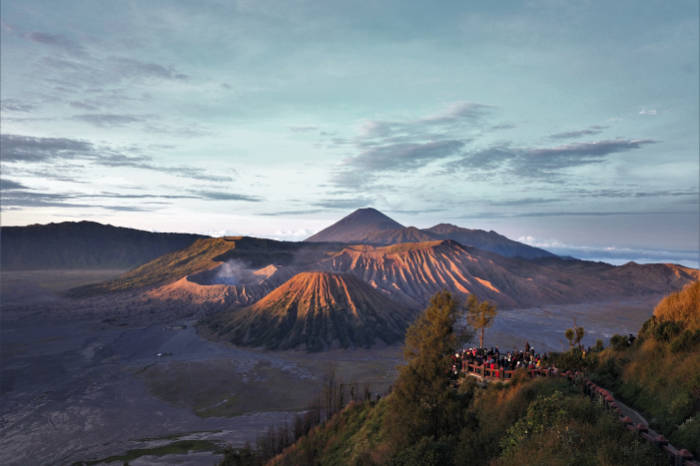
[632,420]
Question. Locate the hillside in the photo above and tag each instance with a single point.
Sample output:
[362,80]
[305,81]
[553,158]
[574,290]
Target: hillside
[315,311]
[84,245]
[659,373]
[413,272]
[241,270]
[207,258]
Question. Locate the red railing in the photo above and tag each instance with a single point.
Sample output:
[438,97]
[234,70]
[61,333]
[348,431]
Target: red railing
[499,373]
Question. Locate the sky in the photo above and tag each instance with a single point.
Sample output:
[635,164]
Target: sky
[567,125]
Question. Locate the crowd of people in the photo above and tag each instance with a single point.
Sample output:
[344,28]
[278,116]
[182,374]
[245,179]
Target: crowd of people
[495,360]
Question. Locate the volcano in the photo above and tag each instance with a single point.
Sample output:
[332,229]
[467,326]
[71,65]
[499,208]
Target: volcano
[315,311]
[356,227]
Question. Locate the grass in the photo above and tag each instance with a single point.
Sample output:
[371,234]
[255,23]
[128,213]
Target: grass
[181,447]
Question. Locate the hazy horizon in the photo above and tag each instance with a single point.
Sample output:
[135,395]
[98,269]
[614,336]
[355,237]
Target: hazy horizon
[572,127]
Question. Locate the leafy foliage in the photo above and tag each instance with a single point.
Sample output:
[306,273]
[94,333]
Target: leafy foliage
[480,315]
[423,403]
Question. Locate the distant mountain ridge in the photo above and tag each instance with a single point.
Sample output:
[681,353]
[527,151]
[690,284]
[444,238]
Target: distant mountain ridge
[369,226]
[84,245]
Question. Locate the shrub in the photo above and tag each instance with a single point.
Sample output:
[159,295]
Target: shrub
[686,341]
[618,342]
[665,331]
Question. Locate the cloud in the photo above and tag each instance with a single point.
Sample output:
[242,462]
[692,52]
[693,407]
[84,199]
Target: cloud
[14,105]
[136,68]
[9,185]
[650,111]
[57,41]
[545,162]
[459,111]
[83,105]
[402,157]
[454,115]
[590,131]
[491,214]
[391,146]
[346,203]
[29,149]
[282,213]
[16,148]
[109,119]
[303,128]
[615,255]
[225,196]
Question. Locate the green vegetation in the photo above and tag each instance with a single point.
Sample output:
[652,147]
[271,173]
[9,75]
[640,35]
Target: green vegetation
[658,373]
[181,447]
[428,421]
[423,403]
[480,315]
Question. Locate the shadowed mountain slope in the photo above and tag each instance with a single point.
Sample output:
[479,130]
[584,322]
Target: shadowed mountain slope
[369,226]
[84,245]
[355,227]
[488,241]
[316,311]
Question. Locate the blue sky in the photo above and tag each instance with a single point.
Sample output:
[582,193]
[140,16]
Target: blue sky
[570,125]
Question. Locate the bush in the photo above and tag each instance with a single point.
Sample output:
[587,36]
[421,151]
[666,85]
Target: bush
[688,434]
[618,342]
[686,341]
[665,331]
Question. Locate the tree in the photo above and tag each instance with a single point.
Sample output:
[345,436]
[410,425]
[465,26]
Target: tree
[580,332]
[480,315]
[570,335]
[423,403]
[575,335]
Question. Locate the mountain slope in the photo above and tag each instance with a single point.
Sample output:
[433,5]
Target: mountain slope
[315,310]
[488,241]
[84,245]
[369,226]
[199,264]
[413,272]
[356,227]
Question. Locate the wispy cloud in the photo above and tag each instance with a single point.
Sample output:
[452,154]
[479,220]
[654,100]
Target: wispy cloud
[58,42]
[547,161]
[590,131]
[344,203]
[225,196]
[110,119]
[9,185]
[390,146]
[28,149]
[14,105]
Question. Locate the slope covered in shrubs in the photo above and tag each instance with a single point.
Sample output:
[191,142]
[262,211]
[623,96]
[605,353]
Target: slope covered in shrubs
[659,372]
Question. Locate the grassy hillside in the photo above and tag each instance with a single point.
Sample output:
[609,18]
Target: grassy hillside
[532,422]
[428,420]
[84,245]
[659,373]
